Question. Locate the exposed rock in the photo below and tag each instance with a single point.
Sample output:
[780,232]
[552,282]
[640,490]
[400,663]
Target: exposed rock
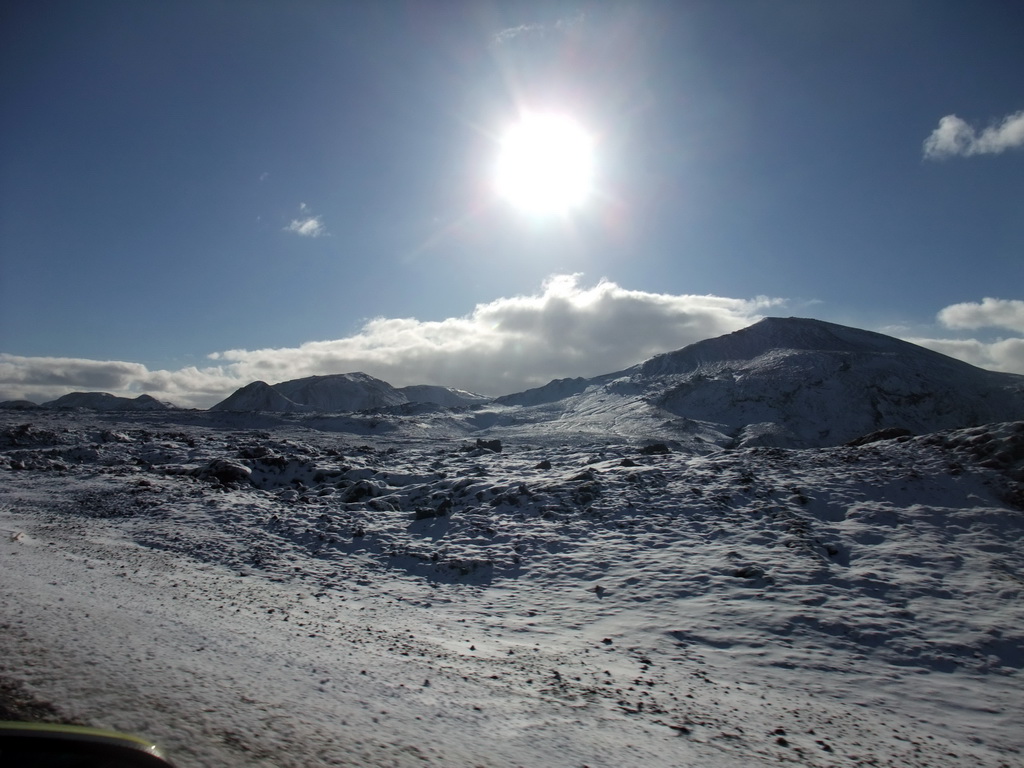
[225,472]
[655,449]
[890,433]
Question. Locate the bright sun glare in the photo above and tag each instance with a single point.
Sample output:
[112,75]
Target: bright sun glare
[545,165]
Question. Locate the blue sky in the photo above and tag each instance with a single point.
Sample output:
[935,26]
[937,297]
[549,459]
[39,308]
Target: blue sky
[199,194]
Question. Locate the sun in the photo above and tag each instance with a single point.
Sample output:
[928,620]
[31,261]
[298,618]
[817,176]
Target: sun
[545,165]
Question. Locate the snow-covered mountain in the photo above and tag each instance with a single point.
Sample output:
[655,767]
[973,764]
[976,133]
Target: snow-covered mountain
[257,396]
[448,397]
[786,382]
[340,393]
[103,401]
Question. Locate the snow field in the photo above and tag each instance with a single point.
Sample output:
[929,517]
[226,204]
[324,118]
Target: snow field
[292,597]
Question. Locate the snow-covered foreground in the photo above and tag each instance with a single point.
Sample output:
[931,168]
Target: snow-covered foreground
[289,597]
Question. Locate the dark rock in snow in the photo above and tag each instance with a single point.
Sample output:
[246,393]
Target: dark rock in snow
[225,471]
[655,449]
[883,434]
[25,435]
[360,490]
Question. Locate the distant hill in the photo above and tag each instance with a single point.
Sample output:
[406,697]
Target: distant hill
[102,401]
[339,393]
[19,405]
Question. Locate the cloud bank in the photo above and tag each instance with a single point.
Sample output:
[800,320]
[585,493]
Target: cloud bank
[514,343]
[1006,355]
[990,313]
[507,345]
[1001,355]
[956,137]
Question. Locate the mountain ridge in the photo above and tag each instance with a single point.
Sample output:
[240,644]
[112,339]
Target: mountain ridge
[786,382]
[341,393]
[104,401]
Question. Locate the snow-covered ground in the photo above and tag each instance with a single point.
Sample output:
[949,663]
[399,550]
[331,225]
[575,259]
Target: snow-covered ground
[249,591]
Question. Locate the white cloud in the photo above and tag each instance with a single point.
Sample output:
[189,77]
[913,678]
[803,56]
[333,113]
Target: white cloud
[311,226]
[40,379]
[1005,355]
[955,136]
[503,346]
[512,33]
[990,313]
[68,372]
[514,343]
[538,30]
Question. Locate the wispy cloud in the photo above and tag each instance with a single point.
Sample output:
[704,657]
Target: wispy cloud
[537,30]
[512,33]
[955,136]
[307,225]
[503,346]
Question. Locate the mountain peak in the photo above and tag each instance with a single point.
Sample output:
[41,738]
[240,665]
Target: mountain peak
[808,382]
[777,334]
[817,335]
[341,392]
[257,396]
